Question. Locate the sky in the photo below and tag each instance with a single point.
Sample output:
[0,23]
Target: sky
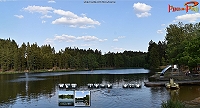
[81,94]
[66,92]
[115,26]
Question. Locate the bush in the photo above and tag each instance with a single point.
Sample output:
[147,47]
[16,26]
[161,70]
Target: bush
[173,104]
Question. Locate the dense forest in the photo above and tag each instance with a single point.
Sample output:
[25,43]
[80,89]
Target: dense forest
[32,57]
[181,46]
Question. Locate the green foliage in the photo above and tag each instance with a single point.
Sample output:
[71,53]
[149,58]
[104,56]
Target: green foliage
[173,104]
[156,54]
[32,57]
[183,44]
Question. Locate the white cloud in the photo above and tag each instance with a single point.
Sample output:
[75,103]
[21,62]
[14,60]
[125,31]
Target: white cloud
[115,40]
[159,31]
[86,45]
[43,21]
[88,38]
[81,22]
[46,16]
[102,40]
[66,38]
[49,42]
[162,24]
[65,13]
[73,20]
[118,49]
[141,9]
[51,1]
[39,9]
[87,26]
[68,18]
[145,14]
[69,38]
[19,16]
[187,17]
[84,15]
[120,37]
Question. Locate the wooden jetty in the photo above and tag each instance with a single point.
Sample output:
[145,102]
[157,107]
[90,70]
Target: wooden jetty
[162,83]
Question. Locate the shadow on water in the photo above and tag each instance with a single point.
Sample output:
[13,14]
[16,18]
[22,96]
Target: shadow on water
[26,87]
[40,89]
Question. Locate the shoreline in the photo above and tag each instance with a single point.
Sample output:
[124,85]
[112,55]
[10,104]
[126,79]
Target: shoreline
[64,70]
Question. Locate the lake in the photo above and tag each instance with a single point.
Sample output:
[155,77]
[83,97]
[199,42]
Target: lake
[41,89]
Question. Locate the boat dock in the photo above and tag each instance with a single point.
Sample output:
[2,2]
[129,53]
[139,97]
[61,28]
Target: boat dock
[162,83]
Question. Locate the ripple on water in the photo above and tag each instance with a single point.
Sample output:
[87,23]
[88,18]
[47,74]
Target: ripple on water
[26,79]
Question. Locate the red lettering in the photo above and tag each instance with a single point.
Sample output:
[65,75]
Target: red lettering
[195,3]
[187,8]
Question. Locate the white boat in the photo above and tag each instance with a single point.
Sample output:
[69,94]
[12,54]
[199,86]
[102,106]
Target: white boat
[125,86]
[137,85]
[109,85]
[67,86]
[102,86]
[96,85]
[90,85]
[131,85]
[73,85]
[61,85]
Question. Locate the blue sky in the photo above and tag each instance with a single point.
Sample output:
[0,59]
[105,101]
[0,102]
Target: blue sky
[81,94]
[115,27]
[66,92]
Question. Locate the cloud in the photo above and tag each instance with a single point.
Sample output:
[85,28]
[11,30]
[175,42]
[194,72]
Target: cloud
[43,21]
[163,24]
[66,38]
[115,40]
[67,17]
[70,38]
[19,16]
[145,14]
[81,22]
[46,16]
[49,41]
[159,31]
[73,20]
[141,9]
[65,13]
[39,9]
[120,37]
[102,40]
[88,38]
[118,49]
[187,17]
[51,1]
[86,45]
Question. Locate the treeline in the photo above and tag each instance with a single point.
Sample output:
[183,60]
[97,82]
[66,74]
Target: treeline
[32,57]
[156,55]
[181,46]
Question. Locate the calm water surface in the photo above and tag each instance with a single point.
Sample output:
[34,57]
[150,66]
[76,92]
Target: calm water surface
[38,90]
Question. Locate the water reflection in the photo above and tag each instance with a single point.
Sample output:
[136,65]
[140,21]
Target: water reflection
[41,89]
[26,74]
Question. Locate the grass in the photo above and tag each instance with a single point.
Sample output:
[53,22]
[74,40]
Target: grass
[173,104]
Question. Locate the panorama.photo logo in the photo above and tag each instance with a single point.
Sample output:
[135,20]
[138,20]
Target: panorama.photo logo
[191,5]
